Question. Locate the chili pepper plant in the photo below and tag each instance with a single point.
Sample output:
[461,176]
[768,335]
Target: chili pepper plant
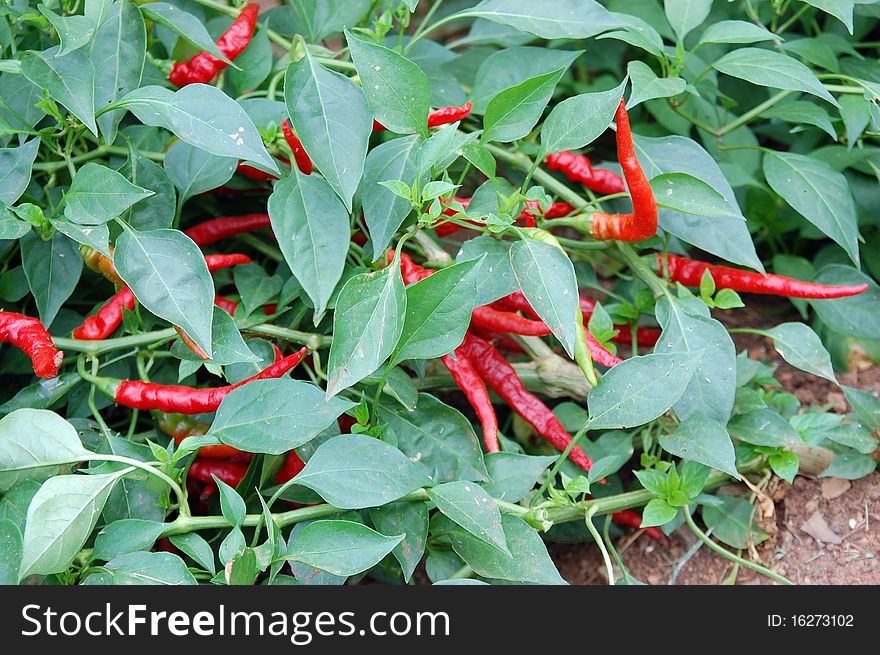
[407,290]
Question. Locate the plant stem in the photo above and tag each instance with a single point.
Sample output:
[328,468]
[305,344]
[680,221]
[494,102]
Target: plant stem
[107,345]
[182,507]
[97,153]
[726,553]
[752,113]
[310,339]
[609,569]
[463,573]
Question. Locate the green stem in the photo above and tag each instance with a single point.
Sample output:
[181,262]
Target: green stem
[310,339]
[463,573]
[791,21]
[559,462]
[609,569]
[107,345]
[726,553]
[752,113]
[183,508]
[640,268]
[97,153]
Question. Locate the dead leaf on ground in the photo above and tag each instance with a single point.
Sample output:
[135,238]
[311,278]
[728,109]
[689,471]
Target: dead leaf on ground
[834,487]
[818,529]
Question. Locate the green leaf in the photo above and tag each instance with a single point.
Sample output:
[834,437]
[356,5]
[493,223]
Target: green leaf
[721,235]
[438,438]
[119,53]
[689,195]
[856,316]
[11,228]
[702,439]
[227,345]
[194,545]
[168,275]
[10,552]
[126,536]
[331,117]
[736,31]
[819,193]
[772,69]
[710,392]
[495,277]
[639,390]
[438,312]
[657,512]
[341,547]
[850,466]
[204,117]
[73,31]
[511,67]
[311,226]
[53,269]
[785,465]
[842,10]
[802,348]
[354,471]
[763,427]
[513,113]
[468,505]
[255,286]
[410,520]
[34,444]
[156,211]
[686,15]
[143,568]
[803,111]
[184,24]
[578,121]
[69,79]
[528,560]
[384,211]
[546,276]
[99,194]
[194,170]
[513,476]
[732,523]
[865,406]
[481,158]
[60,518]
[275,416]
[367,323]
[562,19]
[647,86]
[15,170]
[397,90]
[321,18]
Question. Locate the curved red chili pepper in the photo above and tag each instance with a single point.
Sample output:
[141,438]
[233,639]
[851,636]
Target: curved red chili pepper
[471,384]
[255,174]
[641,224]
[438,117]
[689,272]
[489,318]
[303,161]
[527,217]
[204,67]
[292,467]
[136,394]
[502,378]
[577,168]
[217,229]
[30,336]
[107,319]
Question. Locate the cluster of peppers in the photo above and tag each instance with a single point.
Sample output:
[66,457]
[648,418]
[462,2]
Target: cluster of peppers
[474,364]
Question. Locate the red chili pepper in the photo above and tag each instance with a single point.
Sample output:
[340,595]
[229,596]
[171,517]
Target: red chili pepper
[232,473]
[136,394]
[30,336]
[253,173]
[303,161]
[500,341]
[346,423]
[689,272]
[217,262]
[442,116]
[292,466]
[108,318]
[179,427]
[204,67]
[217,229]
[577,168]
[227,305]
[641,224]
[502,378]
[489,318]
[474,389]
[633,520]
[646,336]
[100,263]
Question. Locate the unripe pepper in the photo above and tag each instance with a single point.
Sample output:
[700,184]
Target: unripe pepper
[100,263]
[689,272]
[136,394]
[204,67]
[29,335]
